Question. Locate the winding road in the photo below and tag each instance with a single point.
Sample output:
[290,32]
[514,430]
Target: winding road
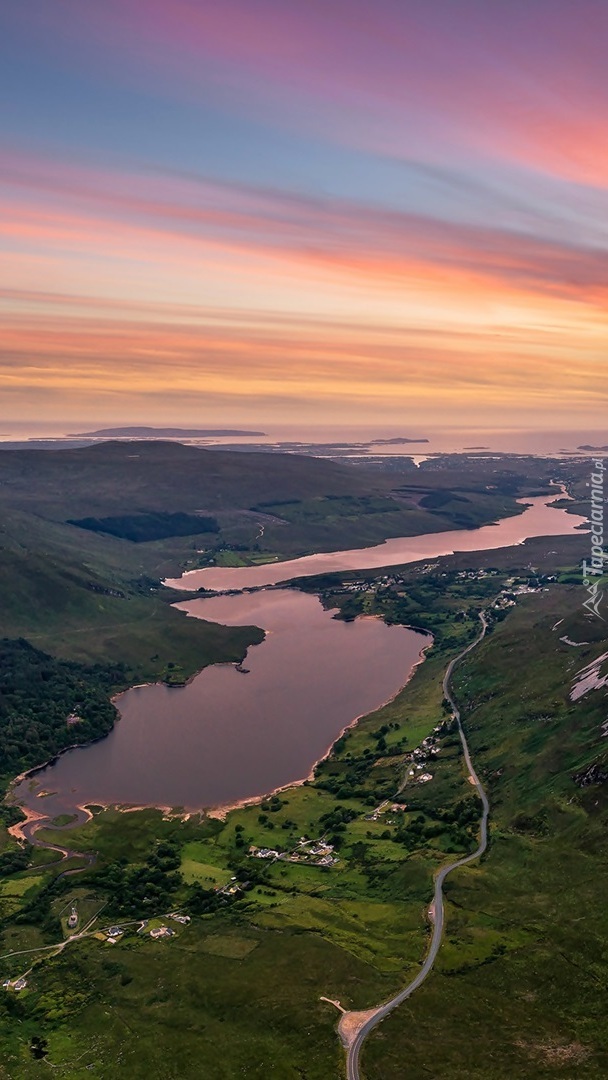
[354,1049]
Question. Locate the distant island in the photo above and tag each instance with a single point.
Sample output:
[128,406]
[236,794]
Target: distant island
[592,448]
[394,442]
[476,448]
[161,432]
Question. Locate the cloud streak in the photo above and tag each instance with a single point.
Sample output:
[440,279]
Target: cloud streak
[331,202]
[79,208]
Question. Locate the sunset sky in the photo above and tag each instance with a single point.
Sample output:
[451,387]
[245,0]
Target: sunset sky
[333,211]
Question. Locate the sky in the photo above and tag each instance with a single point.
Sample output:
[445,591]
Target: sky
[389,212]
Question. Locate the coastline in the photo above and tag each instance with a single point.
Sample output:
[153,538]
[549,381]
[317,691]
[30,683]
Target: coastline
[51,761]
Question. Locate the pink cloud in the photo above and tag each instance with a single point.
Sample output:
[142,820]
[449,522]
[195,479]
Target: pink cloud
[523,84]
[131,215]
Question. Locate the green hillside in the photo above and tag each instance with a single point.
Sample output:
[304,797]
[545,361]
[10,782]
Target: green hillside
[520,972]
[92,593]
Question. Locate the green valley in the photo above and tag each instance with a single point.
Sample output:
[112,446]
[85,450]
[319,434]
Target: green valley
[320,892]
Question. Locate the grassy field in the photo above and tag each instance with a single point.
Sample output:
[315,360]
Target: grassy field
[522,971]
[161,1009]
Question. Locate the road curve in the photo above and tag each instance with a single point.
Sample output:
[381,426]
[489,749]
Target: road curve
[354,1050]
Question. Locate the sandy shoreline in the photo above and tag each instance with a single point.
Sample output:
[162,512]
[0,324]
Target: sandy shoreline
[17,832]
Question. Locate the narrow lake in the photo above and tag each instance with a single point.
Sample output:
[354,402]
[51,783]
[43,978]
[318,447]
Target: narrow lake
[539,518]
[228,736]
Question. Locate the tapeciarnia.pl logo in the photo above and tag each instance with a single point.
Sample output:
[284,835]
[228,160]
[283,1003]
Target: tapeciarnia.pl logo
[596,568]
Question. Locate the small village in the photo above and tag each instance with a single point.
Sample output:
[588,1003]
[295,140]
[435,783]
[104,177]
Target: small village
[156,929]
[417,773]
[310,852]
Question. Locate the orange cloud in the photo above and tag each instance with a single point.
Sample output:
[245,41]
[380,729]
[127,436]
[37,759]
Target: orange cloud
[258,295]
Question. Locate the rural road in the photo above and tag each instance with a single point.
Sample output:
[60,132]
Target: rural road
[354,1050]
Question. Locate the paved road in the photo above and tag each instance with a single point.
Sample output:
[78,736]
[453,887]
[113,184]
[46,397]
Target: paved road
[354,1051]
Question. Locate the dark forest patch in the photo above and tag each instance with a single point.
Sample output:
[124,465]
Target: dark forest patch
[142,528]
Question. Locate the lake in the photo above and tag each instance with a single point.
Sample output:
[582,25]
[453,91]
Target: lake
[228,736]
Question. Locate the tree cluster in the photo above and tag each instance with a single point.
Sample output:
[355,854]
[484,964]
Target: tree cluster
[37,696]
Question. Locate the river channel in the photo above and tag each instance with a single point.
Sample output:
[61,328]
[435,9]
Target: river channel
[539,518]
